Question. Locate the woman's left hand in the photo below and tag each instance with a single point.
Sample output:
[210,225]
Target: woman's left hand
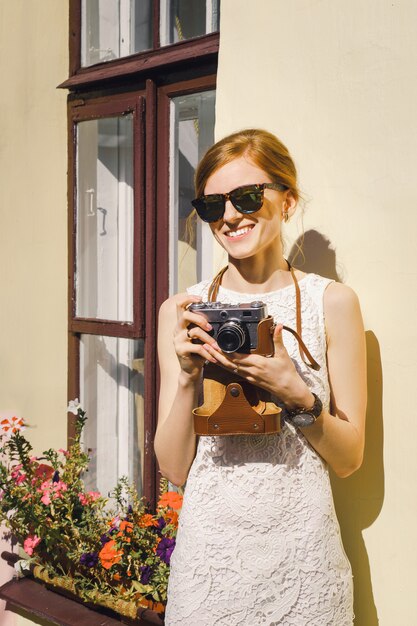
[276,374]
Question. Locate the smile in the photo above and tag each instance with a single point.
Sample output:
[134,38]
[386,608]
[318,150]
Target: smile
[239,233]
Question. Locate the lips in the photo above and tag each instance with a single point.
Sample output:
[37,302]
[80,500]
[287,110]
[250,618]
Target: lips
[239,233]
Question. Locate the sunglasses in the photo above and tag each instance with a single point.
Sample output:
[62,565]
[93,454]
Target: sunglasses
[246,199]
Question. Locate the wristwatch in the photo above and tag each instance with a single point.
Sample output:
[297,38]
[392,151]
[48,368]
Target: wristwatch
[305,417]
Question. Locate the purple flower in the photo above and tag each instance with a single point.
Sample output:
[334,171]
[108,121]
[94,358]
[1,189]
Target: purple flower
[146,573]
[104,539]
[165,548]
[161,523]
[55,477]
[89,559]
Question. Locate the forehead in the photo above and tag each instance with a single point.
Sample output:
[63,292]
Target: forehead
[240,171]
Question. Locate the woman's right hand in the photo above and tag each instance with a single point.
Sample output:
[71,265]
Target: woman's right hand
[191,356]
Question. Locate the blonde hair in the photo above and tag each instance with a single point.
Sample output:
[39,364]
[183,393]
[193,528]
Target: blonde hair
[264,150]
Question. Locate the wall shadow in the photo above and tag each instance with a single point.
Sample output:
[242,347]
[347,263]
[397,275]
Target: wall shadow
[358,498]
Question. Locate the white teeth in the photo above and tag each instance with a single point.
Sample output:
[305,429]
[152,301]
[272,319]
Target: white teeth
[240,231]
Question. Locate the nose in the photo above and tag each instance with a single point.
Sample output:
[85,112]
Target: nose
[231,214]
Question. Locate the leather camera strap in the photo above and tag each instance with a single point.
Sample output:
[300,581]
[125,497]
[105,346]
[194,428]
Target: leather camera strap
[304,352]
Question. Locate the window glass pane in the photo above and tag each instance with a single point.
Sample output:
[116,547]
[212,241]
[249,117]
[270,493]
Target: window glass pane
[185,19]
[192,133]
[104,263]
[112,393]
[114,28]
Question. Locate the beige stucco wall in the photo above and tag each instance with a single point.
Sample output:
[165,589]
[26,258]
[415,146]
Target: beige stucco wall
[336,81]
[33,205]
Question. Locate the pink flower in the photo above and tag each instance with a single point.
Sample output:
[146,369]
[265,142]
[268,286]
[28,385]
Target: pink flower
[58,488]
[17,475]
[46,498]
[88,498]
[30,544]
[20,479]
[64,452]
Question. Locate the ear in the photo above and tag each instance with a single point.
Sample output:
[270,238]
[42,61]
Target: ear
[289,204]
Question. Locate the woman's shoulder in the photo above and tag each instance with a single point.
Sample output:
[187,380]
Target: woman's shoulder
[338,295]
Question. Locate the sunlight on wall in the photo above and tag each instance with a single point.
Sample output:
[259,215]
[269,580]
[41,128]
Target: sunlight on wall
[335,81]
[33,222]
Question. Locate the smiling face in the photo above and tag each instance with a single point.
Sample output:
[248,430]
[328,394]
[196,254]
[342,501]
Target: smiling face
[244,236]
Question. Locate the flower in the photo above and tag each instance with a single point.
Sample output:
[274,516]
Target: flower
[117,547]
[165,548]
[145,574]
[172,518]
[126,527]
[30,544]
[109,554]
[73,406]
[88,498]
[171,499]
[12,425]
[147,520]
[44,471]
[89,559]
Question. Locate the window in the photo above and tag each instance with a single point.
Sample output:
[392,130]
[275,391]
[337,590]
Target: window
[137,128]
[107,30]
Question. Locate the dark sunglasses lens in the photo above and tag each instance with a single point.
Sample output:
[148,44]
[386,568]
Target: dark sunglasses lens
[209,208]
[247,200]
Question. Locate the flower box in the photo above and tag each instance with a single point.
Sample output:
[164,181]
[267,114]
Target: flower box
[112,555]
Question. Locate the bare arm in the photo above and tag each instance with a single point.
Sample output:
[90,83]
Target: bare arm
[180,364]
[339,437]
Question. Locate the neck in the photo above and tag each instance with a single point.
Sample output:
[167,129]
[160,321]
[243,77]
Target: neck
[266,271]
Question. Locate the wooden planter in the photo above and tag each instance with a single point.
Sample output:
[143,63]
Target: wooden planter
[61,606]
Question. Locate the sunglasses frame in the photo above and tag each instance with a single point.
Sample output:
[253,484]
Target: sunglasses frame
[224,197]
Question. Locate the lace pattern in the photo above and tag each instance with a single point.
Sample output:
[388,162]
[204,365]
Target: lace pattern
[259,542]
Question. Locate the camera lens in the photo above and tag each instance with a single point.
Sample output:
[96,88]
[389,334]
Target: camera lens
[230,336]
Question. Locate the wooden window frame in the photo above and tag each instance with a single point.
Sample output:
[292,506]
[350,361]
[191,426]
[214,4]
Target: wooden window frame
[158,75]
[80,111]
[190,51]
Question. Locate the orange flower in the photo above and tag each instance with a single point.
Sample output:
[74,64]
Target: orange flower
[172,518]
[127,527]
[109,555]
[147,520]
[117,577]
[171,499]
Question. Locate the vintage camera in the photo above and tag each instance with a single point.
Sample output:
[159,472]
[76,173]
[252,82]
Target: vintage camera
[243,328]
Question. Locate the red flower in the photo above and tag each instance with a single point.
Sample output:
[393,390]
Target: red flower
[43,471]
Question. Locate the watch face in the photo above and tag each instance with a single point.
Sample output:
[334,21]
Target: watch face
[303,419]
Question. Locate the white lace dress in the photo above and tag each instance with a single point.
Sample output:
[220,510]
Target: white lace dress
[258,541]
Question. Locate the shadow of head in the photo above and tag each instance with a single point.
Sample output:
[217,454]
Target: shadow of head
[313,252]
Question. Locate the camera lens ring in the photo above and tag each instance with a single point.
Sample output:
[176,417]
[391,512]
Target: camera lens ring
[230,336]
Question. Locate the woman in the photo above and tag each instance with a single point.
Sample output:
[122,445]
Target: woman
[258,541]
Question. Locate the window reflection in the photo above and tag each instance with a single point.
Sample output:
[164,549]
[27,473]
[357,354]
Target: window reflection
[104,257]
[192,132]
[114,28]
[112,393]
[186,19]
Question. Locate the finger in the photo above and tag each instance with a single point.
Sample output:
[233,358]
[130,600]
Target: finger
[188,317]
[277,339]
[197,334]
[189,350]
[183,301]
[221,358]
